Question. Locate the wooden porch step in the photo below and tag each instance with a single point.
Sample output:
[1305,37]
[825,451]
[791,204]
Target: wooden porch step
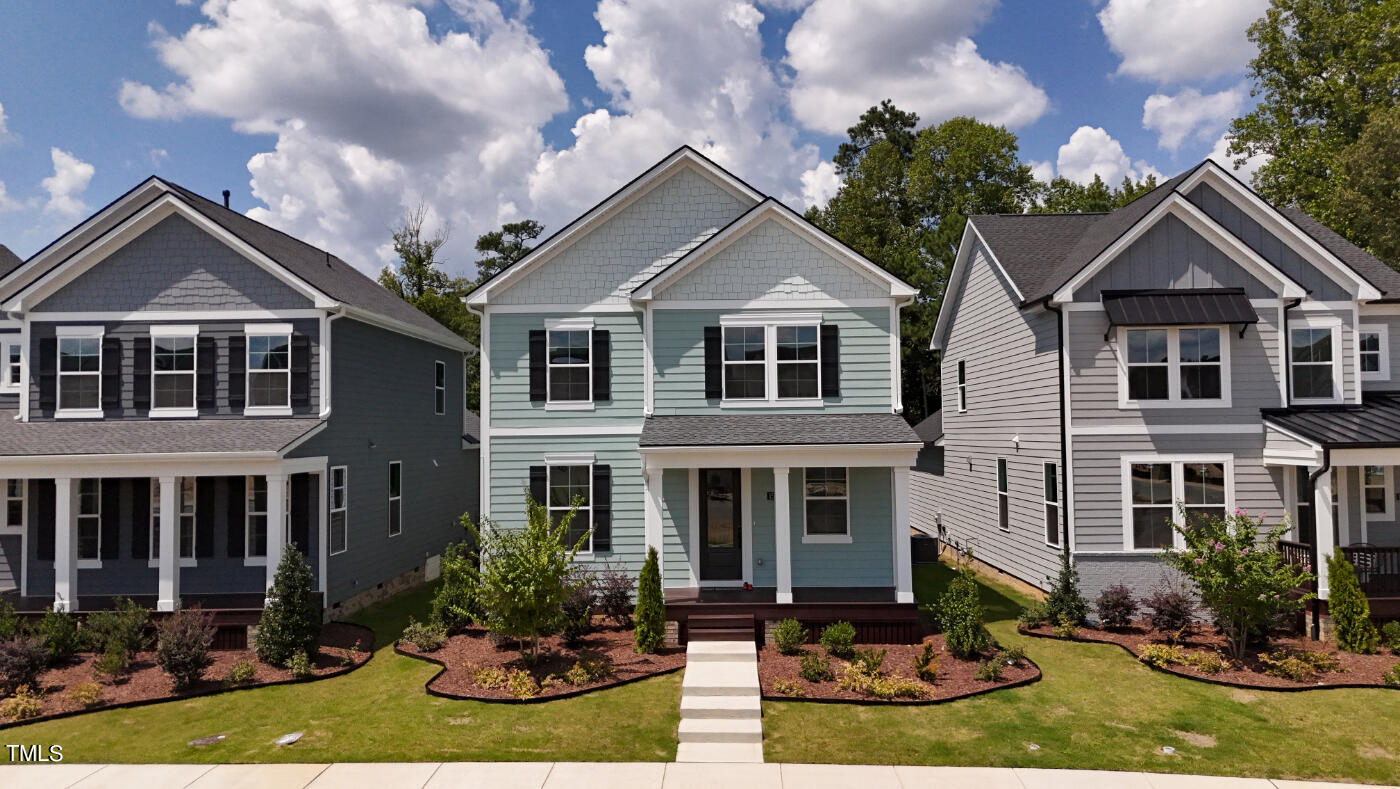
[722,634]
[719,621]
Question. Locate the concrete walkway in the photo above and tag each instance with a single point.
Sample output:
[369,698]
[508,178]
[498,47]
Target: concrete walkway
[592,775]
[721,715]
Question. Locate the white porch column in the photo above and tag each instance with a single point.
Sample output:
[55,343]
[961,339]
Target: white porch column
[1326,543]
[65,549]
[782,533]
[276,523]
[651,495]
[903,569]
[168,598]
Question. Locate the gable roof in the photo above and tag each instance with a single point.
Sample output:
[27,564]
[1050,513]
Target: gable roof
[9,261]
[1367,265]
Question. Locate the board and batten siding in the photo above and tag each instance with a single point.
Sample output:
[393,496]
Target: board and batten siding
[678,338]
[1171,255]
[510,372]
[1012,361]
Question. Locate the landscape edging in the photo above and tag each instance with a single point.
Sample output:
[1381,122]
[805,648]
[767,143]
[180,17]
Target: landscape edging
[126,705]
[442,669]
[1020,683]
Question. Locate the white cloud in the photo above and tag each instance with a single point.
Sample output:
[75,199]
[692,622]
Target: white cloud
[849,56]
[1092,151]
[1247,170]
[5,134]
[820,184]
[70,179]
[8,203]
[1174,41]
[1042,170]
[1190,114]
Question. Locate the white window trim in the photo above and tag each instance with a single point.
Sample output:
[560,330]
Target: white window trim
[248,512]
[439,390]
[1003,494]
[1319,322]
[1174,399]
[77,332]
[826,539]
[769,322]
[962,386]
[1058,503]
[251,330]
[17,345]
[395,501]
[152,538]
[567,324]
[78,516]
[1178,491]
[1388,487]
[344,508]
[23,504]
[175,332]
[1383,332]
[567,459]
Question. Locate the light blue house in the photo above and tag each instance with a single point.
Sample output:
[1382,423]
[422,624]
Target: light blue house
[716,378]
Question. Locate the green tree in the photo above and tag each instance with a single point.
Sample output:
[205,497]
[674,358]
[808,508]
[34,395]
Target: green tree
[501,248]
[1324,68]
[1349,608]
[1368,186]
[651,606]
[1064,603]
[291,619]
[1063,196]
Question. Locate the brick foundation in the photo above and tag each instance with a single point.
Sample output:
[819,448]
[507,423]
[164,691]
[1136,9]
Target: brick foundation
[391,587]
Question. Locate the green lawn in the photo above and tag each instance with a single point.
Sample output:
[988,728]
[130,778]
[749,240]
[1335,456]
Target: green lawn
[1098,708]
[378,713]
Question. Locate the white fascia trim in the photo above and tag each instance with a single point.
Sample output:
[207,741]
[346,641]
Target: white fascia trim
[1166,430]
[563,430]
[596,307]
[1183,209]
[955,284]
[207,316]
[303,438]
[446,339]
[568,324]
[1291,434]
[167,330]
[771,318]
[610,206]
[1278,224]
[770,304]
[569,458]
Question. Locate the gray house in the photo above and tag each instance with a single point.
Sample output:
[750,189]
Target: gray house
[1196,347]
[188,393]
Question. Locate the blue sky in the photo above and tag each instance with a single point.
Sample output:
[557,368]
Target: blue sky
[329,119]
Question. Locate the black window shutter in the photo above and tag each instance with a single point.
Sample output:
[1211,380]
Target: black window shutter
[111,374]
[714,363]
[602,365]
[602,508]
[206,362]
[831,360]
[111,494]
[48,376]
[42,494]
[237,371]
[237,500]
[141,373]
[538,486]
[538,366]
[301,370]
[205,509]
[301,512]
[141,518]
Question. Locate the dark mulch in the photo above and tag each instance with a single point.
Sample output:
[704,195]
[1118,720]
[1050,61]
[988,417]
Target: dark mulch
[1356,670]
[147,682]
[954,680]
[466,653]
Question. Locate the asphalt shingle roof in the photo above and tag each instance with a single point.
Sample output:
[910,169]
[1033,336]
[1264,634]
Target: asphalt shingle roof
[1373,423]
[110,437]
[9,261]
[775,429]
[471,428]
[931,429]
[1367,265]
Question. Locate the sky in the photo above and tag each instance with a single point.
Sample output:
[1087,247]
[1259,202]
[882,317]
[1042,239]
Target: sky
[330,119]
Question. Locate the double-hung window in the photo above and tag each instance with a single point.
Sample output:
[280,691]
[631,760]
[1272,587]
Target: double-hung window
[269,368]
[1051,475]
[1378,492]
[745,364]
[797,362]
[12,375]
[1373,347]
[395,498]
[14,507]
[1003,497]
[771,359]
[569,485]
[826,498]
[89,522]
[1154,486]
[962,386]
[570,368]
[80,371]
[173,370]
[184,519]
[255,528]
[1174,366]
[339,506]
[1314,361]
[439,388]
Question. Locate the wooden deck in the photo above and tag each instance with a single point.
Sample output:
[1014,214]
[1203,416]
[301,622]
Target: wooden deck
[878,619]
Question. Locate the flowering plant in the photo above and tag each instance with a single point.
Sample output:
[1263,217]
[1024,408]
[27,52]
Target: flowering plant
[1239,573]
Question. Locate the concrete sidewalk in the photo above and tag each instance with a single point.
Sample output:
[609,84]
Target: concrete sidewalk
[591,775]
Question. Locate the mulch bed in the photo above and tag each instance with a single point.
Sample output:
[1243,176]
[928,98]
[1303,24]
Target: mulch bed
[147,683]
[466,653]
[955,680]
[1357,671]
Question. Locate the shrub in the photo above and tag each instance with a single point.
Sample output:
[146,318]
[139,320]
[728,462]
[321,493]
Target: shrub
[113,664]
[1390,636]
[22,660]
[1064,600]
[1170,609]
[1066,628]
[1299,665]
[815,668]
[300,665]
[651,606]
[614,592]
[839,639]
[457,602]
[1161,655]
[1242,579]
[1013,655]
[1033,615]
[1207,662]
[122,628]
[183,640]
[926,663]
[1116,606]
[1392,676]
[872,659]
[489,677]
[10,624]
[25,703]
[578,612]
[520,685]
[427,638]
[85,693]
[856,677]
[788,687]
[589,670]
[789,636]
[291,620]
[59,630]
[1350,612]
[988,671]
[241,671]
[959,611]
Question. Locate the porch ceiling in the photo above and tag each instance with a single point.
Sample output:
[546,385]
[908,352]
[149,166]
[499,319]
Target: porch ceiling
[156,436]
[1372,424]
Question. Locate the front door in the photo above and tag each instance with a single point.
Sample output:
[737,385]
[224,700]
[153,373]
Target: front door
[721,552]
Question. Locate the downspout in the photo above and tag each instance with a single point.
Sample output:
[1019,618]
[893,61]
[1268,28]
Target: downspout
[1064,430]
[1312,549]
[326,383]
[1287,360]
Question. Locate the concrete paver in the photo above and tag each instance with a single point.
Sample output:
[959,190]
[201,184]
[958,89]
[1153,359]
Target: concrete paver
[684,775]
[839,776]
[44,776]
[1165,781]
[918,777]
[259,776]
[400,775]
[1034,778]
[605,775]
[144,776]
[490,775]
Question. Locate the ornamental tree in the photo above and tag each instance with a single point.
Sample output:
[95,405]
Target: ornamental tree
[1239,573]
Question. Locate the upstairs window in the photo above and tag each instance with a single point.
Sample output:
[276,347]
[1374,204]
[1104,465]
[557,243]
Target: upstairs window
[439,388]
[1174,366]
[797,362]
[1003,497]
[173,369]
[11,375]
[1149,370]
[775,360]
[1313,356]
[1373,347]
[570,374]
[269,369]
[962,387]
[745,366]
[80,371]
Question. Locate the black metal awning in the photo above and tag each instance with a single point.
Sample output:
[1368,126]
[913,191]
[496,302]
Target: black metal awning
[1374,423]
[1182,307]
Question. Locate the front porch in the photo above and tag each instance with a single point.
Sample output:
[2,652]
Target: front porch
[878,617]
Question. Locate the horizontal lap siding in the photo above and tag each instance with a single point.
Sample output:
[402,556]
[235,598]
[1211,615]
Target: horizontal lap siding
[679,343]
[765,547]
[675,526]
[923,502]
[10,548]
[868,560]
[1013,390]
